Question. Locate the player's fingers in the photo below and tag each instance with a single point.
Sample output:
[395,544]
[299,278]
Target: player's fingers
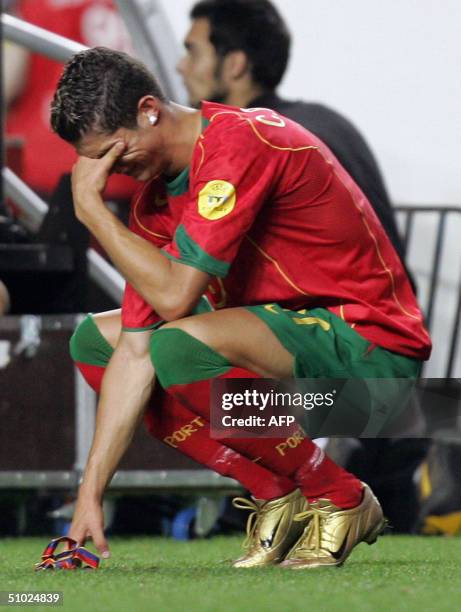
[78,535]
[113,154]
[101,543]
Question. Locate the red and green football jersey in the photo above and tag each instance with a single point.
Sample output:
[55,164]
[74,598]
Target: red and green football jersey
[270,213]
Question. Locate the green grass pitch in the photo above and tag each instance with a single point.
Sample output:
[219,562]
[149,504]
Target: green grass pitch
[163,575]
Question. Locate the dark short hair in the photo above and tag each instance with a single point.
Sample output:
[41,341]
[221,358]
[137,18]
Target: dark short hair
[252,26]
[99,90]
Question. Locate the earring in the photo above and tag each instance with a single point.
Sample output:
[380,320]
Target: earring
[153,119]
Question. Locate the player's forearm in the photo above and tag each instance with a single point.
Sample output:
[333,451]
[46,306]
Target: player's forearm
[127,386]
[141,263]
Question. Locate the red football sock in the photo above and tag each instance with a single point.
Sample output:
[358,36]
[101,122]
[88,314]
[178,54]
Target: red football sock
[296,457]
[93,374]
[174,424]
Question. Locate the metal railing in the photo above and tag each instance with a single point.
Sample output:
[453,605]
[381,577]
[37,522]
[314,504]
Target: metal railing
[154,42]
[409,215]
[39,40]
[123,480]
[147,24]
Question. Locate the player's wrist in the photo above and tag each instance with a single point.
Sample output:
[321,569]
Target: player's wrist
[86,199]
[90,210]
[89,493]
[93,484]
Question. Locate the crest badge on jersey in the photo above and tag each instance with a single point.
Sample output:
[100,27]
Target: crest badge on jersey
[216,200]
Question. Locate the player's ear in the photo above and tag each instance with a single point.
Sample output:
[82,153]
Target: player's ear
[148,111]
[236,64]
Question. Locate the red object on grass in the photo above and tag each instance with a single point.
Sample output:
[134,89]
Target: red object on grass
[75,557]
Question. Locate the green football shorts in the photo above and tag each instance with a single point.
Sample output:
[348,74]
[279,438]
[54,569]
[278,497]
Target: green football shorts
[325,348]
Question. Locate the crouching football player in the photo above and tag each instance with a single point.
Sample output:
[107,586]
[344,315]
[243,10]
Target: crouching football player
[247,206]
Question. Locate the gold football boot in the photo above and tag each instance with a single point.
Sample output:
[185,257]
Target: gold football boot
[331,533]
[271,528]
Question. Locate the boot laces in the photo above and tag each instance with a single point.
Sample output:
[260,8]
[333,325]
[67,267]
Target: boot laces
[242,503]
[315,516]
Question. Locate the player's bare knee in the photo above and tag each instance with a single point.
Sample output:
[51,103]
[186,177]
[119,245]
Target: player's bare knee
[193,326]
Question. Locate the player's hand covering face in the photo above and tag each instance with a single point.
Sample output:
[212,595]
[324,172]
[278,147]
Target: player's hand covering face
[141,156]
[90,175]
